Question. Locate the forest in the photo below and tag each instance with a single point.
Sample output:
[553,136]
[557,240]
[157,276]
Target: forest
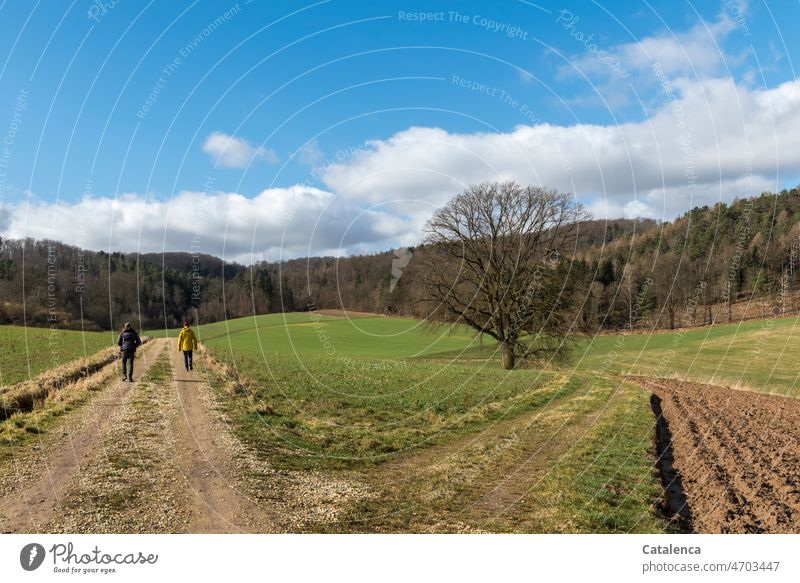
[700,268]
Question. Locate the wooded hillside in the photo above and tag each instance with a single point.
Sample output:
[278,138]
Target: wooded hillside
[690,271]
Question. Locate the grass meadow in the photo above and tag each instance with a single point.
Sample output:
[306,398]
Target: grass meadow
[439,431]
[760,355]
[25,352]
[385,397]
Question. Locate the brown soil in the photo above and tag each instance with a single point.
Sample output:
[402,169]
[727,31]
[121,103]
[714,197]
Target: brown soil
[735,453]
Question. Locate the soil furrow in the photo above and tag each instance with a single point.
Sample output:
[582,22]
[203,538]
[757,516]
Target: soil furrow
[737,464]
[736,455]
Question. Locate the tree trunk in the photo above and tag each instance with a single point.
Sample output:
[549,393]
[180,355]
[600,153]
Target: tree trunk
[730,305]
[509,358]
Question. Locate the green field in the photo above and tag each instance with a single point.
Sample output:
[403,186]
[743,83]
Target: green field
[757,355]
[26,352]
[441,437]
[306,334]
[209,331]
[761,355]
[379,396]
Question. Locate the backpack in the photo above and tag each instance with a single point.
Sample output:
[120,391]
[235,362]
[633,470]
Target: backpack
[129,340]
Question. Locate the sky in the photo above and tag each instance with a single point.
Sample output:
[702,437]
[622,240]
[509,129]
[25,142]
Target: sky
[276,129]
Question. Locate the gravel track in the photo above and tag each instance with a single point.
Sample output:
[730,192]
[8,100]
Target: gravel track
[217,500]
[34,486]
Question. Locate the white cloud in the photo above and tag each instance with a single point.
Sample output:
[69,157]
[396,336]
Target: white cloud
[661,203]
[232,152]
[713,133]
[279,223]
[625,74]
[716,141]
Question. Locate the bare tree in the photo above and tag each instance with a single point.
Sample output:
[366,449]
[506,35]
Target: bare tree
[494,262]
[665,286]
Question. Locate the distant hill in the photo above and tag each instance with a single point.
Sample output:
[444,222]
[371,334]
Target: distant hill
[180,261]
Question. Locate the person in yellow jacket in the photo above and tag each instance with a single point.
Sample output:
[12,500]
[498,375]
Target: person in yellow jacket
[187,342]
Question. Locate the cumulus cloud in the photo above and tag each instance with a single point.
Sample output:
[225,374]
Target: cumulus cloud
[232,152]
[711,135]
[658,203]
[279,223]
[715,140]
[624,74]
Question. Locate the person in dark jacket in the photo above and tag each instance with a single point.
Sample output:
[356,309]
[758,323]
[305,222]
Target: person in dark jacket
[128,342]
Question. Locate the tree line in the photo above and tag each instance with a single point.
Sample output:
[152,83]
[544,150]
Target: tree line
[618,274]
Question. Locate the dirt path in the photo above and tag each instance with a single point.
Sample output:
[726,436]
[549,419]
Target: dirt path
[43,474]
[737,455]
[217,503]
[149,456]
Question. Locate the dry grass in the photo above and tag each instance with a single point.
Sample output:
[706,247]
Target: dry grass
[23,397]
[29,408]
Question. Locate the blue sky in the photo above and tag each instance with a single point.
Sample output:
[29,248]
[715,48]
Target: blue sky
[278,129]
